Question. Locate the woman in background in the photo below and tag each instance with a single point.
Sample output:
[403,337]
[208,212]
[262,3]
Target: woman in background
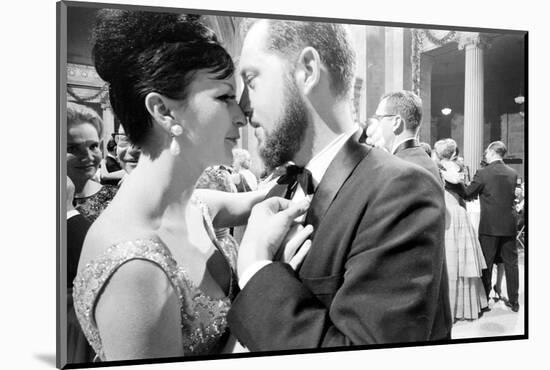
[464,257]
[84,128]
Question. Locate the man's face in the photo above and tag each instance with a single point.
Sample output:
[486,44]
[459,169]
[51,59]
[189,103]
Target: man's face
[386,119]
[272,100]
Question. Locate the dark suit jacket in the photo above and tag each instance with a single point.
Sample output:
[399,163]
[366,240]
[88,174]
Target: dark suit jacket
[418,156]
[77,227]
[495,184]
[375,271]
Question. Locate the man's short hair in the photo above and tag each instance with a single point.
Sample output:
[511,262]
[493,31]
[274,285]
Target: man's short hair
[498,147]
[111,145]
[408,105]
[331,40]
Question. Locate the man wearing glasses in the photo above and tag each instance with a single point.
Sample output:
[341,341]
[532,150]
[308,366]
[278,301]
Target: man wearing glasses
[398,118]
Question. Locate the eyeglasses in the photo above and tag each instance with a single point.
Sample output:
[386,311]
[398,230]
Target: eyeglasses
[379,117]
[121,140]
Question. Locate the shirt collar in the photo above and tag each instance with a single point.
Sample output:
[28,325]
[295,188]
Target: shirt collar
[396,145]
[319,163]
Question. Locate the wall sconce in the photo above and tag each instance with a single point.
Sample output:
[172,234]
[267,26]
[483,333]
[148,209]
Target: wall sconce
[520,99]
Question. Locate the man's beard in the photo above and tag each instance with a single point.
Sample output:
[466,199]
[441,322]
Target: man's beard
[284,142]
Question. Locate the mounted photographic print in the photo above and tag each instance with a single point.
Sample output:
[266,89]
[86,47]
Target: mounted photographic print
[242,185]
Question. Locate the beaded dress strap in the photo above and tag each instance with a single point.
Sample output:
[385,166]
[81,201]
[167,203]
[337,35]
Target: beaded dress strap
[90,282]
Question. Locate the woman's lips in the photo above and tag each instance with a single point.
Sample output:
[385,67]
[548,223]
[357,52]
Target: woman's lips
[232,139]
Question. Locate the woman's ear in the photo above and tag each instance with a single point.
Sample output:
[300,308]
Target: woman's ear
[157,106]
[309,71]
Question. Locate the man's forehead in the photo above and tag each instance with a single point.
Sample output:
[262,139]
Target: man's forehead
[254,42]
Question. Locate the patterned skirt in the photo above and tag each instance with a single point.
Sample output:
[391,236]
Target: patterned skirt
[465,263]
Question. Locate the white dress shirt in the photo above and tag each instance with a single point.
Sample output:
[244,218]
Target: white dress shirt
[317,166]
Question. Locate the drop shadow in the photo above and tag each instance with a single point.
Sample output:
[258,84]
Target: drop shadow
[47,358]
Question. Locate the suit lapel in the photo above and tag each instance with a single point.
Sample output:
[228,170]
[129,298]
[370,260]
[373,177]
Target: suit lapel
[278,190]
[337,173]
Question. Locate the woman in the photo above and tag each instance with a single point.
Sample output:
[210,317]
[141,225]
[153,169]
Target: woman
[463,253]
[84,128]
[244,179]
[153,280]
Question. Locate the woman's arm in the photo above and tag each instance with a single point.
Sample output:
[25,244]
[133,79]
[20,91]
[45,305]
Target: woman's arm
[138,314]
[230,209]
[106,175]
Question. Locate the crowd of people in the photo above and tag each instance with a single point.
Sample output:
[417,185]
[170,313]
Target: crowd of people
[355,234]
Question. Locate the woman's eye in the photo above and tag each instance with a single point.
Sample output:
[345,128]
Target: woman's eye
[94,146]
[226,98]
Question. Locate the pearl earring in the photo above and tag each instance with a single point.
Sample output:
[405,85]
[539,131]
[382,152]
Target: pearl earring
[175,130]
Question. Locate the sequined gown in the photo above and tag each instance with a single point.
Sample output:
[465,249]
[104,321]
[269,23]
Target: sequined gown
[92,206]
[203,319]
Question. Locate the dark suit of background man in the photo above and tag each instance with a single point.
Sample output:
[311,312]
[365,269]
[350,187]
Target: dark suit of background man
[399,116]
[374,273]
[495,184]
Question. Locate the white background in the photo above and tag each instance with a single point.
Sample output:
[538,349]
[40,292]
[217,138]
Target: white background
[28,122]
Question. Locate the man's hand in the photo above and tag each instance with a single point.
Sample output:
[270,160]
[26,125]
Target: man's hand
[267,227]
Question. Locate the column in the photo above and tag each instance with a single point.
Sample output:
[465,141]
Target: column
[425,133]
[375,67]
[473,101]
[394,59]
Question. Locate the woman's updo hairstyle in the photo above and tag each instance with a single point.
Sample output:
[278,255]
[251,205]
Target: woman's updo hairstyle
[139,52]
[445,148]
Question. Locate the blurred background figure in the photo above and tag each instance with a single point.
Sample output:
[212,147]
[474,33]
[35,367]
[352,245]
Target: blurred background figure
[218,178]
[84,128]
[496,185]
[465,260]
[427,148]
[111,171]
[78,349]
[243,178]
[127,153]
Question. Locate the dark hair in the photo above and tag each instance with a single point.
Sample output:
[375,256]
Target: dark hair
[111,145]
[498,147]
[139,52]
[408,105]
[329,39]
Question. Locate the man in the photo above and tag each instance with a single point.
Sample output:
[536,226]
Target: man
[399,115]
[374,271]
[496,185]
[111,171]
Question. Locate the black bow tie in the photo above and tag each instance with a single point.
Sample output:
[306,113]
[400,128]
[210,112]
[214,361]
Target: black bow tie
[297,175]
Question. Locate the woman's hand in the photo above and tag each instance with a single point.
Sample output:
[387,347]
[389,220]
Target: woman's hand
[267,227]
[297,245]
